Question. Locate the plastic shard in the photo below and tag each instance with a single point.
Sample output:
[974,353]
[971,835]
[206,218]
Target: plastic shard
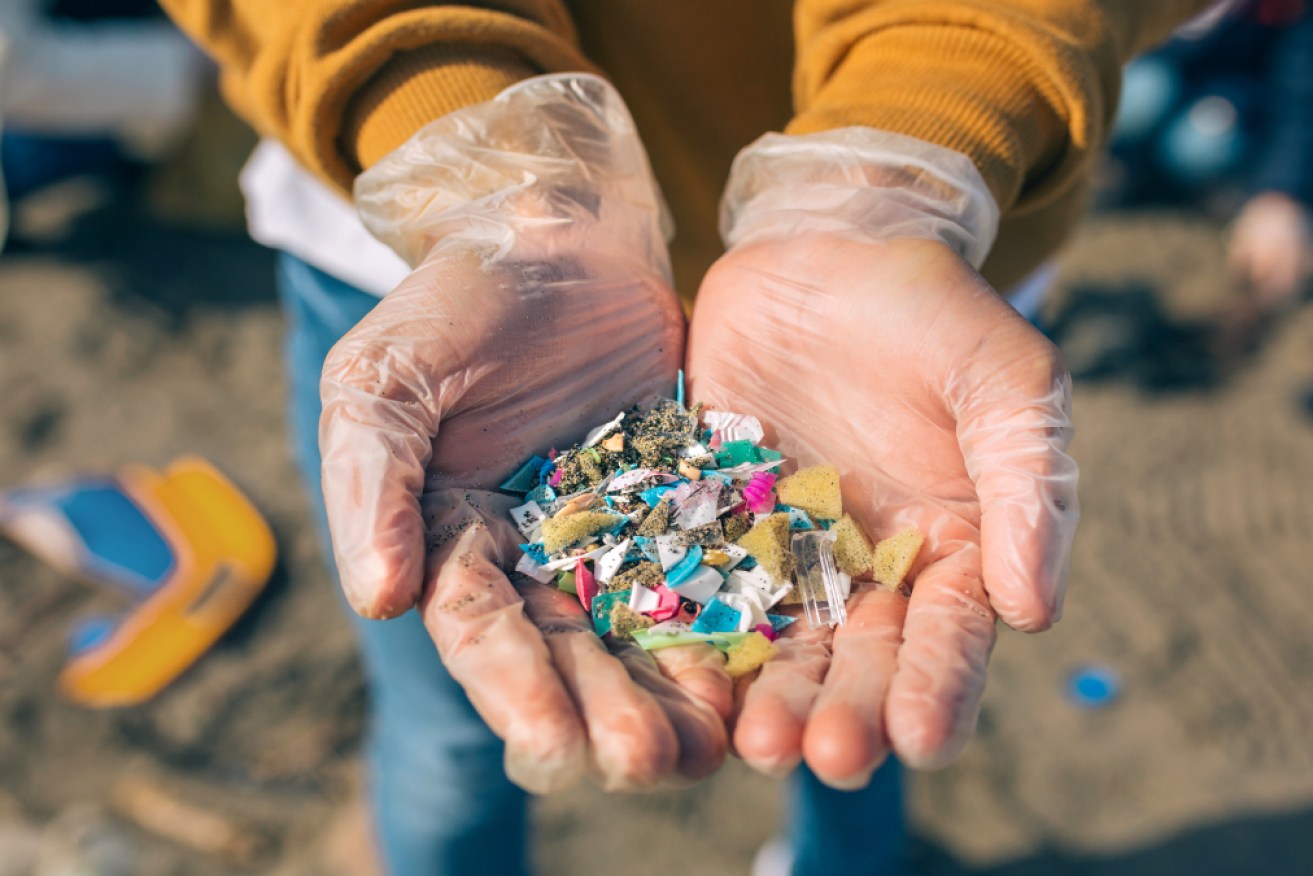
[821,587]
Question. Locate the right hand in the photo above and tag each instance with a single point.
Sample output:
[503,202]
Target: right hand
[1269,249]
[537,311]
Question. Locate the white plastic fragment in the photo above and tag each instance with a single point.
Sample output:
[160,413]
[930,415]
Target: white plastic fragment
[530,568]
[610,563]
[734,427]
[528,518]
[701,586]
[642,599]
[757,579]
[669,551]
[750,611]
[598,433]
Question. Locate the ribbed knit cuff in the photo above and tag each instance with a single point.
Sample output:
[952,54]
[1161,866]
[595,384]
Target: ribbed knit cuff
[967,89]
[418,86]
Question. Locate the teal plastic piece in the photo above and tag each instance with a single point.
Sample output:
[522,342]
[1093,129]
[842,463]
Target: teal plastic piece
[655,641]
[684,567]
[734,453]
[602,603]
[526,477]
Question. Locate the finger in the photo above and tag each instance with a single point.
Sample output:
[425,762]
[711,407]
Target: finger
[699,670]
[376,438]
[1014,435]
[772,707]
[703,741]
[845,738]
[948,633]
[499,657]
[633,745]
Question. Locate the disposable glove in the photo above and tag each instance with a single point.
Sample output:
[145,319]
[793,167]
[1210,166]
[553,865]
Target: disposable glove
[540,305]
[846,315]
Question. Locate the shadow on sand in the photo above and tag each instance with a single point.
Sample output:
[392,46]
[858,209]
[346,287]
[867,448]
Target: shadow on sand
[1271,845]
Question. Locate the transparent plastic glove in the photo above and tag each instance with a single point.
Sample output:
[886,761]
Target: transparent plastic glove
[540,306]
[527,656]
[861,337]
[1269,249]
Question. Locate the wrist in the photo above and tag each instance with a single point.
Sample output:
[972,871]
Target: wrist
[858,183]
[552,164]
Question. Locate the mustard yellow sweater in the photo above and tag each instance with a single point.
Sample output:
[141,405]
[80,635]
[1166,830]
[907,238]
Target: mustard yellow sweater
[1026,88]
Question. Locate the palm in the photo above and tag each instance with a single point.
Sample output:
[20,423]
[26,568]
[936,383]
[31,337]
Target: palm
[882,359]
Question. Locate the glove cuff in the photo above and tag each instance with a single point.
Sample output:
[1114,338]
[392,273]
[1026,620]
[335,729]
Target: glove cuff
[858,182]
[551,164]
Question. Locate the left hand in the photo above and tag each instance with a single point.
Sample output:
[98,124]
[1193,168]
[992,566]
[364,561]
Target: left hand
[942,408]
[1268,252]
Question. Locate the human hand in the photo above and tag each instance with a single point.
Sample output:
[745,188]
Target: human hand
[942,409]
[540,306]
[1268,252]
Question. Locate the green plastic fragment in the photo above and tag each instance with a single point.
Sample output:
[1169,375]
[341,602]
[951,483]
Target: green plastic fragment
[650,641]
[565,581]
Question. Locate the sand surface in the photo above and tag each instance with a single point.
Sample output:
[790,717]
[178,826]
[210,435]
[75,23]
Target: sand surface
[122,341]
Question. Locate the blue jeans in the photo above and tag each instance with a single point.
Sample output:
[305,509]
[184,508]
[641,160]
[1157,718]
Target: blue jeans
[442,805]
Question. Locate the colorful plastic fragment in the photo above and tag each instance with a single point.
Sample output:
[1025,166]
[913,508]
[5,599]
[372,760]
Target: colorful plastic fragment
[673,527]
[760,493]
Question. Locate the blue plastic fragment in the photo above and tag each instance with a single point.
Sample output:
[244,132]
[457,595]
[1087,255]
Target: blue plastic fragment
[1093,687]
[679,388]
[648,548]
[526,476]
[601,609]
[685,567]
[780,621]
[798,518]
[545,470]
[88,633]
[535,552]
[542,494]
[748,562]
[717,617]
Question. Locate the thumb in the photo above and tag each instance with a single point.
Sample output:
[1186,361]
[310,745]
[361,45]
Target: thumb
[1012,404]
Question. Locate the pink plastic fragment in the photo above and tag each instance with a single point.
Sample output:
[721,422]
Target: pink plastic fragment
[668,607]
[551,454]
[585,585]
[768,631]
[760,492]
[555,479]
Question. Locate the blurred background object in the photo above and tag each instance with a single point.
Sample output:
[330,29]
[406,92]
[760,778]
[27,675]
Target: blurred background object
[1222,118]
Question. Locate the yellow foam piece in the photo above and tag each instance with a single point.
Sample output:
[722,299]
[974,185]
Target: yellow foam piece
[560,532]
[852,549]
[895,555]
[769,544]
[748,654]
[814,490]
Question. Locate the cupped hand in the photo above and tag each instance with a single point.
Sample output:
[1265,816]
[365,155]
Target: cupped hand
[457,376]
[942,409]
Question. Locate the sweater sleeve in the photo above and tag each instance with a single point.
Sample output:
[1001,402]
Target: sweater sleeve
[1026,88]
[343,82]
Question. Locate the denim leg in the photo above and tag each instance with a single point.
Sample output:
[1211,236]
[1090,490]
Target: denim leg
[853,833]
[441,801]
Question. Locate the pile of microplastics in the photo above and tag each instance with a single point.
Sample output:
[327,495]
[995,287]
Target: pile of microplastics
[672,526]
